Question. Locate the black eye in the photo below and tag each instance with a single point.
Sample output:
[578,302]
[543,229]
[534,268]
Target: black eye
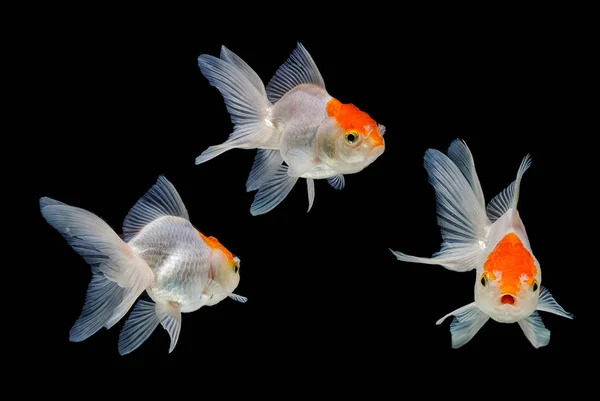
[351,137]
[535,287]
[236,268]
[483,281]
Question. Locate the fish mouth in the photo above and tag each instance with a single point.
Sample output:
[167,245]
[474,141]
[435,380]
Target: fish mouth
[507,299]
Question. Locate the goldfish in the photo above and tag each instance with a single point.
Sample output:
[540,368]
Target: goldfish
[159,252]
[297,127]
[491,240]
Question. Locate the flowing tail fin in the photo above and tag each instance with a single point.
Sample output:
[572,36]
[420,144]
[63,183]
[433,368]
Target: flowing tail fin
[460,209]
[246,101]
[118,275]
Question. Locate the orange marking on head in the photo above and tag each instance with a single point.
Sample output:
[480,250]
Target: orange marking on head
[351,118]
[214,243]
[513,260]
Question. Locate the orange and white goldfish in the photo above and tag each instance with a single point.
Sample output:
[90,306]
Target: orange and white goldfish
[160,252]
[300,130]
[493,241]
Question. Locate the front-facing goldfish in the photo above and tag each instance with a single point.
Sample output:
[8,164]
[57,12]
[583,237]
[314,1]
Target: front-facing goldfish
[300,130]
[492,241]
[161,252]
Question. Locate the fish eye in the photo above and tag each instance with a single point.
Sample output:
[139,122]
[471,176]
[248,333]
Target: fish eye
[236,268]
[535,286]
[483,281]
[352,137]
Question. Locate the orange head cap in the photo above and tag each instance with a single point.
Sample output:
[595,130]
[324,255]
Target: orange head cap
[349,140]
[508,287]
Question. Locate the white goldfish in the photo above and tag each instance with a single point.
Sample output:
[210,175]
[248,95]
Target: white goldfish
[160,252]
[493,241]
[300,130]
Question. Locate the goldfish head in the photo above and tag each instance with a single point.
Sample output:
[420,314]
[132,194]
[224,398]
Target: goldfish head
[505,298]
[349,140]
[227,270]
[224,266]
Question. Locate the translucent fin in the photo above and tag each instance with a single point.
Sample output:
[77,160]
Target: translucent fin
[461,218]
[381,129]
[139,325]
[467,321]
[212,287]
[238,298]
[298,69]
[250,74]
[215,288]
[299,162]
[310,183]
[49,202]
[144,319]
[509,197]
[107,255]
[460,154]
[102,297]
[452,259]
[169,315]
[273,191]
[266,162]
[337,181]
[535,331]
[547,303]
[160,200]
[246,104]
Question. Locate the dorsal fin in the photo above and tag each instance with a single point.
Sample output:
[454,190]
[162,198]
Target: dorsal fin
[509,197]
[160,200]
[298,69]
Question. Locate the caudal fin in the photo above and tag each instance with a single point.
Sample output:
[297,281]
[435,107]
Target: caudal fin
[118,275]
[246,101]
[460,209]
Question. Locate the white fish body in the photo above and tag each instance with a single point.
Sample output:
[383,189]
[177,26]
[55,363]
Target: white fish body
[161,252]
[492,241]
[299,129]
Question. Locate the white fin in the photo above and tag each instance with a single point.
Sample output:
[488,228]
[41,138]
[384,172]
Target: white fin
[509,197]
[142,322]
[547,303]
[337,181]
[169,315]
[110,259]
[246,103]
[252,76]
[101,299]
[266,162]
[310,183]
[535,331]
[215,288]
[212,287]
[299,162]
[468,320]
[460,154]
[160,200]
[274,190]
[381,129]
[298,69]
[461,218]
[238,298]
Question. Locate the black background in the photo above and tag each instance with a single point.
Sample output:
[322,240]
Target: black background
[121,101]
